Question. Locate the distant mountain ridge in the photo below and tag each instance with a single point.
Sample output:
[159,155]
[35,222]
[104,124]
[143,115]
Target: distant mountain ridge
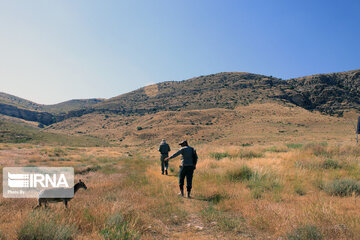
[61,107]
[329,93]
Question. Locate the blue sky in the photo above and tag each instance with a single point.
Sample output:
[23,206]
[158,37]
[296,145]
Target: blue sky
[52,51]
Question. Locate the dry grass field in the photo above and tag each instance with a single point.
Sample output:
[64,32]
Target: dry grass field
[265,171]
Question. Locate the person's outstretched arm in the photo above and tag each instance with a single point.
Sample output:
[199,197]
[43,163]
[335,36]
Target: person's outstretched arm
[174,155]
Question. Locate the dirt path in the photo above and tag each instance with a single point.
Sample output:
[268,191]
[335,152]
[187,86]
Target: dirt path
[194,227]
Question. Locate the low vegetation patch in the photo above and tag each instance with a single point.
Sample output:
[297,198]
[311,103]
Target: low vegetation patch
[343,187]
[261,182]
[299,190]
[318,164]
[221,220]
[219,156]
[42,226]
[256,181]
[86,170]
[330,164]
[294,145]
[117,227]
[214,198]
[307,232]
[246,144]
[275,149]
[249,154]
[241,174]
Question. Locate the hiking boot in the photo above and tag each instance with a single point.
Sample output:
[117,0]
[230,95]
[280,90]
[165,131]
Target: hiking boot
[181,193]
[162,173]
[166,172]
[188,195]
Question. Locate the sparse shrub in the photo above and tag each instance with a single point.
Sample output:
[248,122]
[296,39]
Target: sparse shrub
[42,226]
[319,183]
[343,187]
[219,156]
[249,154]
[261,182]
[56,152]
[318,149]
[294,145]
[330,164]
[299,190]
[304,164]
[241,174]
[224,222]
[119,228]
[317,164]
[257,182]
[275,149]
[215,198]
[139,128]
[307,232]
[246,144]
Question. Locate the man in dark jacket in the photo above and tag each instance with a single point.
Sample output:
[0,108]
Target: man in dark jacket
[187,167]
[164,150]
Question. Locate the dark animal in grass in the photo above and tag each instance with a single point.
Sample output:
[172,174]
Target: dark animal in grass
[51,192]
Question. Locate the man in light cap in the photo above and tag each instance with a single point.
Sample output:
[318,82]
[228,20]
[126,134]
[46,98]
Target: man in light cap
[188,165]
[164,150]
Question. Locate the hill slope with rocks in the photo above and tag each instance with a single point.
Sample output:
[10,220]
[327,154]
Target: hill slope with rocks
[328,93]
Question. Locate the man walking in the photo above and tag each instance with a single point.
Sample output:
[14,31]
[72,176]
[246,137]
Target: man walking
[164,150]
[188,165]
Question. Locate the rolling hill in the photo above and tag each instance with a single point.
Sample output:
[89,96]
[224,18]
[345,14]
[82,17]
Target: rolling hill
[208,107]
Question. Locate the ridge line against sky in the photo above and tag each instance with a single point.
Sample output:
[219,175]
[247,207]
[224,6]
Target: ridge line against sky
[54,51]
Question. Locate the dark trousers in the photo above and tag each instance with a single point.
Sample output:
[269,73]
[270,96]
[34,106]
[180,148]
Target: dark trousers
[164,164]
[188,172]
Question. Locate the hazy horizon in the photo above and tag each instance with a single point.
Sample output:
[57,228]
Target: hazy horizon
[58,51]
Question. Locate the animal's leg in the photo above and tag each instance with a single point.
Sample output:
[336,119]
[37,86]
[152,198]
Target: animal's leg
[66,202]
[39,204]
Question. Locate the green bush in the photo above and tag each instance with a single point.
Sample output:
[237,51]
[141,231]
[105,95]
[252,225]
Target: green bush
[42,226]
[343,187]
[241,174]
[260,182]
[275,149]
[257,182]
[219,156]
[294,145]
[330,164]
[307,232]
[215,198]
[246,144]
[139,128]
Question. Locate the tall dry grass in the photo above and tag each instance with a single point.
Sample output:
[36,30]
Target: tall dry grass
[310,189]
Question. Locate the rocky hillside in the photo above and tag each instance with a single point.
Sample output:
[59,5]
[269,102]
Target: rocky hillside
[329,93]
